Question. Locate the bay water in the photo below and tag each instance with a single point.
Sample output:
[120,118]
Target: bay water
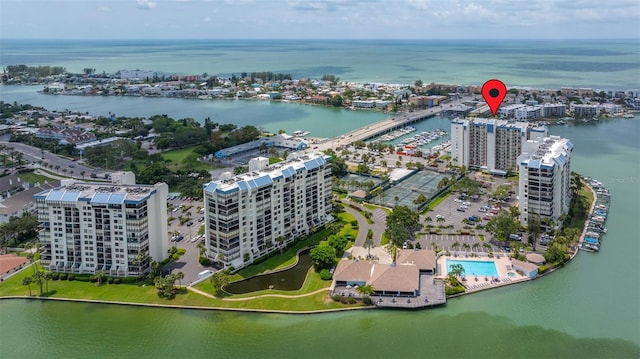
[589,309]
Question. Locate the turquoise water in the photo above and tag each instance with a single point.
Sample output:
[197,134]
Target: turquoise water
[475,268]
[589,309]
[535,63]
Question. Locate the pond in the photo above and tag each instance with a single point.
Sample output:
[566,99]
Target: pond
[289,279]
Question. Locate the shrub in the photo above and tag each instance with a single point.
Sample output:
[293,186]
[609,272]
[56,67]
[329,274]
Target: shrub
[354,223]
[325,274]
[110,280]
[93,279]
[542,269]
[55,276]
[351,300]
[453,290]
[204,261]
[117,280]
[71,277]
[63,276]
[336,298]
[366,300]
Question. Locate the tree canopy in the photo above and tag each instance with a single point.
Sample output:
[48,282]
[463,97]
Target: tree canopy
[323,257]
[503,224]
[402,223]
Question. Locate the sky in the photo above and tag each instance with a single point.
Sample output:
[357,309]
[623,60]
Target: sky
[320,19]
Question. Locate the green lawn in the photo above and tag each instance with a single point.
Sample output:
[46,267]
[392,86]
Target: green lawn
[375,206]
[348,230]
[580,207]
[33,178]
[147,294]
[176,159]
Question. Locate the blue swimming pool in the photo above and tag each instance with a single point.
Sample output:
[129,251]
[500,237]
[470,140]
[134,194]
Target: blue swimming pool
[473,268]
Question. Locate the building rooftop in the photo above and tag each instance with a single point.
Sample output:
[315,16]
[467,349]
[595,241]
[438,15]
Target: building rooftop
[97,193]
[255,179]
[546,152]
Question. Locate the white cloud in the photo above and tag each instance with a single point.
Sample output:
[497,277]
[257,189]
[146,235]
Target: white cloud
[104,9]
[146,4]
[206,19]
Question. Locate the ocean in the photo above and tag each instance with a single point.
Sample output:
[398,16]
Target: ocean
[600,64]
[589,309]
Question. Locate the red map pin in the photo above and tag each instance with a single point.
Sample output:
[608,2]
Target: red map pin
[494,92]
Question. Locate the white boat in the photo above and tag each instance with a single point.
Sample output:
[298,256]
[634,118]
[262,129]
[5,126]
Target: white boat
[300,133]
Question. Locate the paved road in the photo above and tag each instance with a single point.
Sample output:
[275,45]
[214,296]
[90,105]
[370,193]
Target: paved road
[34,155]
[378,226]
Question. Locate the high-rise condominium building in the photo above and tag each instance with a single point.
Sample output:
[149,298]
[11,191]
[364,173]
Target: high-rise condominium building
[490,144]
[254,213]
[116,228]
[545,179]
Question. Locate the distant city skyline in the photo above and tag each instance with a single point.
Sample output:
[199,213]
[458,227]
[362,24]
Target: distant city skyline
[322,19]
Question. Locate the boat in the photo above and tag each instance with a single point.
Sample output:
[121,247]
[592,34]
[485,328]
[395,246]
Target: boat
[300,133]
[628,115]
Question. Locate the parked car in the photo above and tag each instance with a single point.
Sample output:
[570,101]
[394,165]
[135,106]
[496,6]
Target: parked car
[460,209]
[515,237]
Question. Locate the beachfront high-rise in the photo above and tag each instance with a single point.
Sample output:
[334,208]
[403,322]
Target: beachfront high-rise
[545,179]
[116,228]
[254,213]
[490,144]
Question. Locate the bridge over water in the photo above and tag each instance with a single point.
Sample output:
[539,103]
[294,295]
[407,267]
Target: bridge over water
[385,126]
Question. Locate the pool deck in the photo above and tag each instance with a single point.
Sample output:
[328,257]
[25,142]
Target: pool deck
[478,283]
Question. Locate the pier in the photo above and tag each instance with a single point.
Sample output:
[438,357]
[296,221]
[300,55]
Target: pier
[391,124]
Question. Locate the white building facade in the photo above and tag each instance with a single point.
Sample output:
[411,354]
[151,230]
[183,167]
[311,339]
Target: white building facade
[115,228]
[250,215]
[492,144]
[545,179]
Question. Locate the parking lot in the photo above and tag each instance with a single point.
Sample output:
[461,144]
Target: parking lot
[188,263]
[456,208]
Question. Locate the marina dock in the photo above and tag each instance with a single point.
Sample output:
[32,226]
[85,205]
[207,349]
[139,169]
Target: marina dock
[386,126]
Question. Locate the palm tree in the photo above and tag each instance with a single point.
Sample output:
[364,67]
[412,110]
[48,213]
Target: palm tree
[27,281]
[365,290]
[455,270]
[455,245]
[433,246]
[486,246]
[280,240]
[466,247]
[428,219]
[82,173]
[476,246]
[180,277]
[368,244]
[100,276]
[38,277]
[47,276]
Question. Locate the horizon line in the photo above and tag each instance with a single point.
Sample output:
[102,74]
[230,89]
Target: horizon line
[324,39]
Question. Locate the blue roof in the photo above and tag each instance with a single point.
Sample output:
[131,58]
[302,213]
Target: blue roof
[288,172]
[117,198]
[243,185]
[70,196]
[314,163]
[263,181]
[101,198]
[55,195]
[533,164]
[210,187]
